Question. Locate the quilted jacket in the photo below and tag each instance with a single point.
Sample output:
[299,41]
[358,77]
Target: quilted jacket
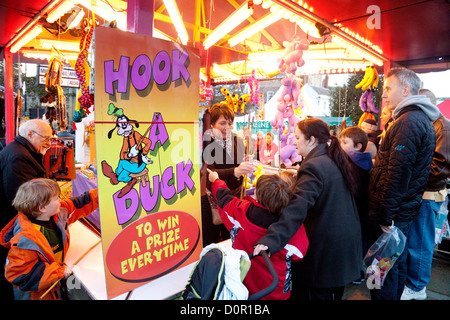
[31,265]
[403,161]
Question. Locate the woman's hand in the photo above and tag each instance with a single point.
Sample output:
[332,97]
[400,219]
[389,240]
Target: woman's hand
[244,168]
[213,176]
[259,248]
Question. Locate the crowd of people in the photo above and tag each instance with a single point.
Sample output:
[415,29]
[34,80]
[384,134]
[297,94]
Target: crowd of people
[316,225]
[346,195]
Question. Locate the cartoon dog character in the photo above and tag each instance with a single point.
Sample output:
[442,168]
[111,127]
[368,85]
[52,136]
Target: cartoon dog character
[133,156]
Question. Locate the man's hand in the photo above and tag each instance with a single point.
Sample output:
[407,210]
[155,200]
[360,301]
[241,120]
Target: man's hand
[387,229]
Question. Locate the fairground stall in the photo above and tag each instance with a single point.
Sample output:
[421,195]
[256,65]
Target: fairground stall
[151,70]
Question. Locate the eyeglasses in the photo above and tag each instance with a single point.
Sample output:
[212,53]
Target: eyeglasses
[46,139]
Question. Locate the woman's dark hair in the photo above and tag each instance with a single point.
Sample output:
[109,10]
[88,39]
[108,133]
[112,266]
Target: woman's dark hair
[221,109]
[312,127]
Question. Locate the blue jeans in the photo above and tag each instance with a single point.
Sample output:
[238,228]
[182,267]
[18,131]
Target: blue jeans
[394,282]
[420,245]
[126,167]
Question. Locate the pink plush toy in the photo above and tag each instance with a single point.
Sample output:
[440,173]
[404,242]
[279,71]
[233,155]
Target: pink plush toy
[288,153]
[277,121]
[291,91]
[292,56]
[289,114]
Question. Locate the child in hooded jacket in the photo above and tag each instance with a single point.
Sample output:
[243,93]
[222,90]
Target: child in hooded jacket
[38,238]
[248,219]
[353,141]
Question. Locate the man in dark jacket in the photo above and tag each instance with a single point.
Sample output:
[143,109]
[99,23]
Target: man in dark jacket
[401,168]
[421,238]
[20,161]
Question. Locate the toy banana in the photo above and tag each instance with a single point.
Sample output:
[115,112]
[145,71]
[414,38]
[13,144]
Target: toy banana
[371,79]
[364,80]
[376,80]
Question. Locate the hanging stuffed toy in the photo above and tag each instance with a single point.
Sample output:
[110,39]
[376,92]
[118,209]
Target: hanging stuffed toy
[365,116]
[253,84]
[368,84]
[243,100]
[370,79]
[292,56]
[82,69]
[290,90]
[288,152]
[228,97]
[237,103]
[290,99]
[206,93]
[54,90]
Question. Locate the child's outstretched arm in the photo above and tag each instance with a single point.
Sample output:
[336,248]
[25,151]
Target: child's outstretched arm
[225,199]
[81,206]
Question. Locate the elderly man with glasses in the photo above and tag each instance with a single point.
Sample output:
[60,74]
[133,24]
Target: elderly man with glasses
[20,161]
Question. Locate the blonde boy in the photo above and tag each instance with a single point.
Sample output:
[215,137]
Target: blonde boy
[38,237]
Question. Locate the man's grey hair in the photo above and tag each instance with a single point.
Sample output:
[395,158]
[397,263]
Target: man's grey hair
[33,124]
[429,94]
[406,77]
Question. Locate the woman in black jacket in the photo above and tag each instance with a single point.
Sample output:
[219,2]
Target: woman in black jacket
[324,203]
[223,152]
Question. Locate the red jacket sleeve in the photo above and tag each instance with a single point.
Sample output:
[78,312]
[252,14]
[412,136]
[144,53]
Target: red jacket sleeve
[231,208]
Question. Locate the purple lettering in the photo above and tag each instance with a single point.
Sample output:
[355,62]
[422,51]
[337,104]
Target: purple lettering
[124,213]
[121,75]
[141,78]
[180,62]
[167,188]
[142,71]
[158,131]
[161,66]
[149,200]
[183,177]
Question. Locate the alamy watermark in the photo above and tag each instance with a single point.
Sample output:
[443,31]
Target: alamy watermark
[72,282]
[374,21]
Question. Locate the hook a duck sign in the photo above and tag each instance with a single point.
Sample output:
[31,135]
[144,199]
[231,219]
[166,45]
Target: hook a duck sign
[147,153]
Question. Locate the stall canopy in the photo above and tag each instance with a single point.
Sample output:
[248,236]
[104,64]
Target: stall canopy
[237,39]
[411,33]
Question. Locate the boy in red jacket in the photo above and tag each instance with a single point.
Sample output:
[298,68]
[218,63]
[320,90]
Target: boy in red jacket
[248,219]
[38,237]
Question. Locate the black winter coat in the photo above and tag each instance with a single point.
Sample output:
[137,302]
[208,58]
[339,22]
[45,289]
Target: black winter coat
[19,163]
[220,161]
[325,206]
[402,167]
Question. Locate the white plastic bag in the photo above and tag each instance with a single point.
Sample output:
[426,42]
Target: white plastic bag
[382,255]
